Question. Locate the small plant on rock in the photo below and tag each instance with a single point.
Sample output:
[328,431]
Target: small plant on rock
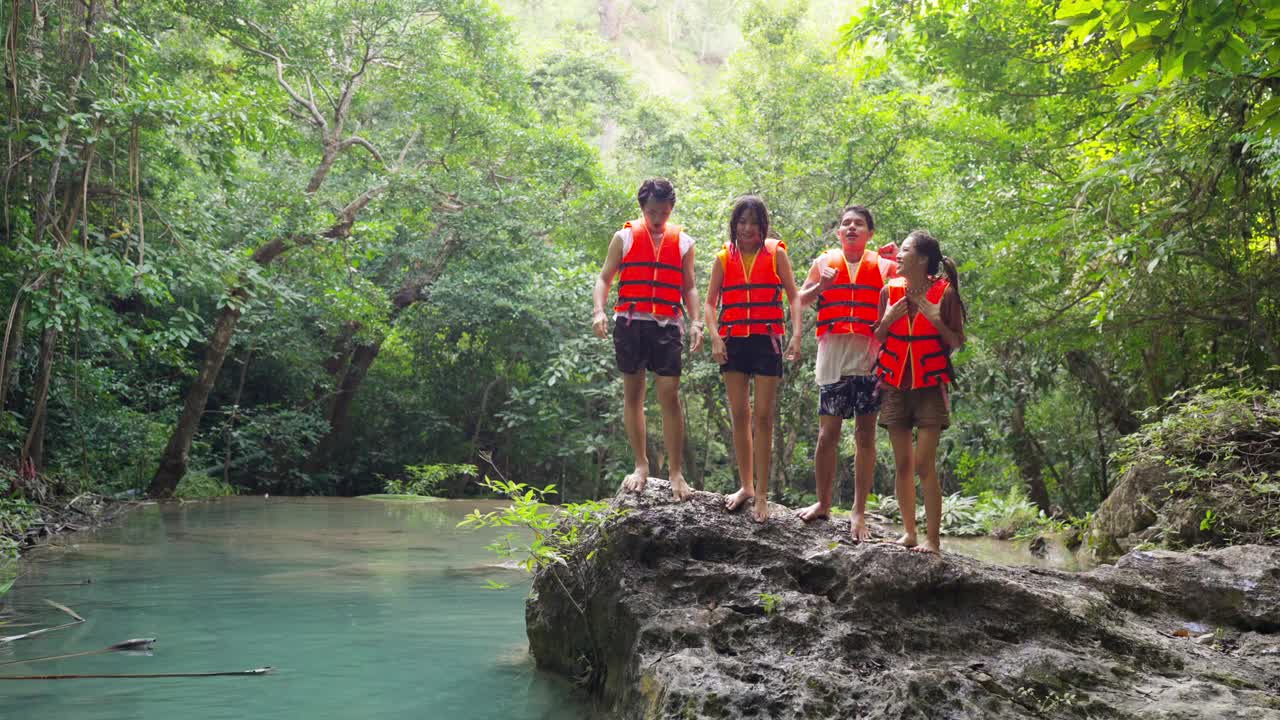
[772,603]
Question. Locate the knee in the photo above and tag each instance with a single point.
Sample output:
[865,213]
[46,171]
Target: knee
[633,397]
[866,441]
[828,438]
[903,467]
[741,416]
[762,424]
[668,393]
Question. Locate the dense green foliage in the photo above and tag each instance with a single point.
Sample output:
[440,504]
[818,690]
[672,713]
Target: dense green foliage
[323,246]
[1221,453]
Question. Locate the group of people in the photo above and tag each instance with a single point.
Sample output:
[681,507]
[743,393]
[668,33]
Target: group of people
[887,322]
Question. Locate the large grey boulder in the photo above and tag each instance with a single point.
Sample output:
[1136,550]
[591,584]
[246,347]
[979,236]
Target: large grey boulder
[686,611]
[1142,510]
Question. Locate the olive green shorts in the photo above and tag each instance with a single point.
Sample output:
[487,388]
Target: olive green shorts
[922,407]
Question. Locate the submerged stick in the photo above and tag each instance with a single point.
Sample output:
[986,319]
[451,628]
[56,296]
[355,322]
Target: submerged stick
[86,581]
[256,671]
[134,645]
[65,609]
[42,631]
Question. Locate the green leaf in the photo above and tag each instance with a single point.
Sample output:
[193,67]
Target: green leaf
[1263,112]
[1129,66]
[1171,69]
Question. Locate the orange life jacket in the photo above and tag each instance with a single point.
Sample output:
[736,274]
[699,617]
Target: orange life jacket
[751,306]
[849,304]
[915,339]
[650,284]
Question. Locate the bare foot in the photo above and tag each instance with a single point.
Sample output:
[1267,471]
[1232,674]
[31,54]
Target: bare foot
[907,540]
[738,499]
[636,480]
[816,511]
[858,528]
[927,546]
[761,512]
[680,489]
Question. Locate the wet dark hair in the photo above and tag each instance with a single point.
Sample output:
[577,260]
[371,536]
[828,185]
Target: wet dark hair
[927,245]
[659,189]
[861,210]
[743,205]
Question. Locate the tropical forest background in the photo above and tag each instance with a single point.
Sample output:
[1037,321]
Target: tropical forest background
[344,246]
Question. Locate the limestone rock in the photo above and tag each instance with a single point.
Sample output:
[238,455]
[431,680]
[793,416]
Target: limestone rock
[687,611]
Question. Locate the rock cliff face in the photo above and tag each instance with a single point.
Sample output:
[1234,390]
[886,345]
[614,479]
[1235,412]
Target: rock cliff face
[686,611]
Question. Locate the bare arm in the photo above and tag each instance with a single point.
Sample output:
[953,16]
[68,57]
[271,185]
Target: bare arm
[690,296]
[883,321]
[793,300]
[600,295]
[713,319]
[950,321]
[820,277]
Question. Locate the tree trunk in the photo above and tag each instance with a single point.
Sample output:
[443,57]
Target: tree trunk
[337,361]
[610,18]
[361,359]
[12,348]
[33,447]
[229,437]
[1102,391]
[173,463]
[364,355]
[1028,460]
[484,411]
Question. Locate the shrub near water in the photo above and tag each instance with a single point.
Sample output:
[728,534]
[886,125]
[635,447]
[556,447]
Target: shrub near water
[989,513]
[431,480]
[1220,450]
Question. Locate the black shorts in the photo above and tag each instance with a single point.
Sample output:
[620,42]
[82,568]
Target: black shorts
[645,345]
[850,396]
[754,355]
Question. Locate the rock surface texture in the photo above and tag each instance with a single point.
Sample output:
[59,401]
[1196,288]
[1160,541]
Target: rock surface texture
[686,611]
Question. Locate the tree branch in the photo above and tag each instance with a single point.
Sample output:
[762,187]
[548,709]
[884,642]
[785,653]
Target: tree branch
[357,140]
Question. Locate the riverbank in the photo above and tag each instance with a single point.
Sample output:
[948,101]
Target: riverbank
[25,524]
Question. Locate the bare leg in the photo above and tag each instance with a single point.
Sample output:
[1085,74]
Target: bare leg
[904,483]
[633,419]
[736,386]
[824,466]
[765,407]
[927,467]
[673,434]
[864,469]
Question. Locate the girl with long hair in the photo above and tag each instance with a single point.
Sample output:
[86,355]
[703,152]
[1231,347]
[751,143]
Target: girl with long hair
[921,321]
[745,316]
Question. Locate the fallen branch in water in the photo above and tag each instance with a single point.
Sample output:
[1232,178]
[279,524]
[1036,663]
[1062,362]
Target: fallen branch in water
[135,645]
[255,671]
[41,631]
[86,581]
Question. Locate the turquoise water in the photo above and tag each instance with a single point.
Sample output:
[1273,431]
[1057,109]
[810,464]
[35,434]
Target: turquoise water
[365,609]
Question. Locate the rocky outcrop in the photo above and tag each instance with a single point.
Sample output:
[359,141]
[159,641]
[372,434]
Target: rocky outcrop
[1204,474]
[1142,510]
[681,610]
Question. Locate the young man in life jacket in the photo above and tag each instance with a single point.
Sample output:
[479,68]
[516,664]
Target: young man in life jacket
[655,265]
[921,321]
[846,283]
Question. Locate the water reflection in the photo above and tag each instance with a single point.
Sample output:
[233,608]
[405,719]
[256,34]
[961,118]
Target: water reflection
[366,609]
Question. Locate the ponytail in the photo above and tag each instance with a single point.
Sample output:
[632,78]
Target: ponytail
[928,245]
[953,277]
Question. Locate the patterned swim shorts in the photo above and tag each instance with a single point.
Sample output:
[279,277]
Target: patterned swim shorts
[850,396]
